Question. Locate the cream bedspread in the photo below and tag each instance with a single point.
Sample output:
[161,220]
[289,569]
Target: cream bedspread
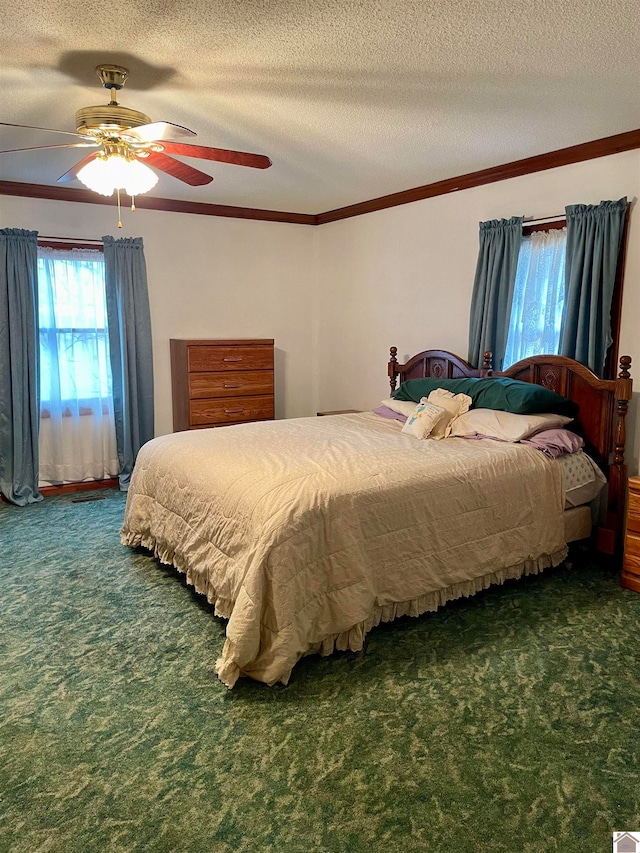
[306,533]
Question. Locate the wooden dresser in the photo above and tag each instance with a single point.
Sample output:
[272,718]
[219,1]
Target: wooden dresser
[631,564]
[218,383]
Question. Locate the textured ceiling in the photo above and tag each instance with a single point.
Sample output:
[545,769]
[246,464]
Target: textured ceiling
[351,100]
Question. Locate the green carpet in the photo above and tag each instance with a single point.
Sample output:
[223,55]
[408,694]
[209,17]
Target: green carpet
[504,722]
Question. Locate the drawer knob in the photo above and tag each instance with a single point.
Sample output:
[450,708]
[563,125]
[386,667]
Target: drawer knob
[233,358]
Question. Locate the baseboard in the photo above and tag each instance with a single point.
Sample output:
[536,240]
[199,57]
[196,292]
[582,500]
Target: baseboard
[85,486]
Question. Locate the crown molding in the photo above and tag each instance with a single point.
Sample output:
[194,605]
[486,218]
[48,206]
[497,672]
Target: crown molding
[145,202]
[541,162]
[562,157]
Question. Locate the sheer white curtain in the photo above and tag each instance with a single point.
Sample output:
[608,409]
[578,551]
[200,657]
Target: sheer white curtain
[77,430]
[538,296]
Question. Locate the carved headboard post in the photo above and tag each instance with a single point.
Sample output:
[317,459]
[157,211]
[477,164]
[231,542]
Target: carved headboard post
[619,468]
[393,360]
[623,395]
[487,364]
[610,538]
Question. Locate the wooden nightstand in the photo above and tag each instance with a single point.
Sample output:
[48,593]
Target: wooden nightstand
[631,564]
[339,412]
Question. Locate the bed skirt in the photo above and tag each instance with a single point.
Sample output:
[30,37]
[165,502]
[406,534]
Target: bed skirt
[352,640]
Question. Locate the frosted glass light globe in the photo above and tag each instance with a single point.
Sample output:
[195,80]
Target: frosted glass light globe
[104,175]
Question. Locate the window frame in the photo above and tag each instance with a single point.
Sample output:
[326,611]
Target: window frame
[69,245]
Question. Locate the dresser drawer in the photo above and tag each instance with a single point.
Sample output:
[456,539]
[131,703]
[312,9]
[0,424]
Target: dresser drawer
[232,384]
[631,563]
[632,546]
[633,512]
[203,412]
[208,358]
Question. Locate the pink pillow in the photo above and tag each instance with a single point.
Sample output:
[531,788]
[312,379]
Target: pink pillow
[555,442]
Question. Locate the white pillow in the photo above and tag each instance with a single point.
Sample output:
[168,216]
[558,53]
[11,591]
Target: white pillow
[454,406]
[403,407]
[505,426]
[425,417]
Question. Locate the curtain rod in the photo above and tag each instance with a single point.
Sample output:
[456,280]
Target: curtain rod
[535,219]
[87,240]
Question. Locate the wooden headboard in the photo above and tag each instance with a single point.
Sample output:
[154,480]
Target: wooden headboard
[602,403]
[435,363]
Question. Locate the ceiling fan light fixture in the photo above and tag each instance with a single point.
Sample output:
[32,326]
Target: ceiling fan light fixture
[115,171]
[125,138]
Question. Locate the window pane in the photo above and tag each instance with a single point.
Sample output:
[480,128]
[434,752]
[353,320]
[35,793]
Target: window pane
[74,363]
[538,297]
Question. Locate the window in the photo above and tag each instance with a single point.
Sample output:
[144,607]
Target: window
[538,296]
[74,368]
[77,428]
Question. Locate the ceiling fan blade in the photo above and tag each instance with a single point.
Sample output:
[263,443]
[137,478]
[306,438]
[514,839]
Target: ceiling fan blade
[72,174]
[176,169]
[157,131]
[221,155]
[48,129]
[44,147]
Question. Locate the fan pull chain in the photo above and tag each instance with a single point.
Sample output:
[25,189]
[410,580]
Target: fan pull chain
[119,220]
[133,202]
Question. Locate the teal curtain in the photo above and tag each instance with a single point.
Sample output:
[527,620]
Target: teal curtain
[129,323]
[500,241]
[19,391]
[594,238]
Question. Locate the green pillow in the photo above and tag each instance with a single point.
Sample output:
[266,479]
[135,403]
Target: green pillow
[415,389]
[494,392]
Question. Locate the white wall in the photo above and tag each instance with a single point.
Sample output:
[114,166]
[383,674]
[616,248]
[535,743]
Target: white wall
[209,277]
[404,276]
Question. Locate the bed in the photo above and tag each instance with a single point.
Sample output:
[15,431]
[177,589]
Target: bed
[306,533]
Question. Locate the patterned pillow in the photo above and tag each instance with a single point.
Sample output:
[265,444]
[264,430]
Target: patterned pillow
[425,417]
[453,404]
[583,480]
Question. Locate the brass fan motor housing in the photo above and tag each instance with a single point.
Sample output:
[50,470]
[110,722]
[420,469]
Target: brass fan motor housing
[112,76]
[108,118]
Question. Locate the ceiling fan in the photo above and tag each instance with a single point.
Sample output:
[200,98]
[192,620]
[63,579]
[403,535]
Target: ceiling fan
[127,143]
